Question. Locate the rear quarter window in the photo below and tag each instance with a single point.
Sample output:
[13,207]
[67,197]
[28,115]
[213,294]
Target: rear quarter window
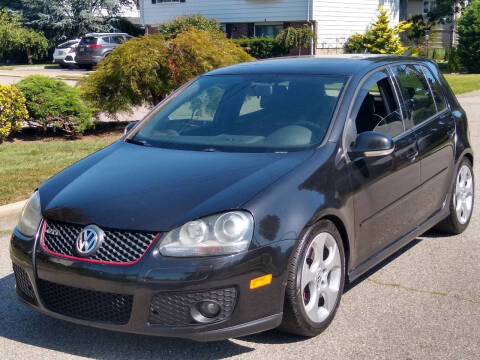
[416,93]
[437,91]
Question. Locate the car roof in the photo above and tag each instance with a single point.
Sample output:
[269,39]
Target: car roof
[102,34]
[348,64]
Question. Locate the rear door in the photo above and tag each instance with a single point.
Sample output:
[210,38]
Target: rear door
[432,122]
[384,187]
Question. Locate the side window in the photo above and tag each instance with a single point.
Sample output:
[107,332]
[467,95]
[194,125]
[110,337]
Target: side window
[106,40]
[436,89]
[416,93]
[376,107]
[117,40]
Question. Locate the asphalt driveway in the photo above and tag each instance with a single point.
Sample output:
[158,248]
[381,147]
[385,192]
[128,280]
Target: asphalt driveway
[422,303]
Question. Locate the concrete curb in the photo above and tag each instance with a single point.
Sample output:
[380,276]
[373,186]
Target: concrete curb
[9,214]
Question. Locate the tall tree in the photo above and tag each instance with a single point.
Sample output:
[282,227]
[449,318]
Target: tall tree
[63,19]
[444,10]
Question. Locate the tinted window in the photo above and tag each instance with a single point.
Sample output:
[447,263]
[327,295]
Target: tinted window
[246,113]
[376,107]
[436,89]
[416,93]
[67,44]
[88,40]
[117,40]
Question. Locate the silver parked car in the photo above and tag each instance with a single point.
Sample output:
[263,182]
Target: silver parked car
[95,47]
[64,54]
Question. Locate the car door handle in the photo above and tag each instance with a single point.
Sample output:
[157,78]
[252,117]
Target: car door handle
[451,133]
[412,155]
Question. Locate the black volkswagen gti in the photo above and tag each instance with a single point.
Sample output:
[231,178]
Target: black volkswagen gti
[247,199]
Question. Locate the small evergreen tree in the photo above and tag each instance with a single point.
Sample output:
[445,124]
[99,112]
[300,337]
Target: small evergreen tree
[469,37]
[379,38]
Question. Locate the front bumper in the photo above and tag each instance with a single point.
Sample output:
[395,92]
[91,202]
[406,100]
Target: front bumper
[253,310]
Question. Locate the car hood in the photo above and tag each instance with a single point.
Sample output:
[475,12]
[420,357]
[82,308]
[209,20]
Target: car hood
[127,186]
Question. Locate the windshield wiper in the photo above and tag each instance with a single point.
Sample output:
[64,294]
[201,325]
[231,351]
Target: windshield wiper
[138,142]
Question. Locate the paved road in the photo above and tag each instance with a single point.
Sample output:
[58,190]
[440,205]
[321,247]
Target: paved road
[422,303]
[70,76]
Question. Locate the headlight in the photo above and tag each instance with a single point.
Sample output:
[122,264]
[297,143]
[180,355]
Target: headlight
[31,216]
[221,234]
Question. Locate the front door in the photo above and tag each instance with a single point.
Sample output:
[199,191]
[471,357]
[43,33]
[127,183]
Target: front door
[384,187]
[432,122]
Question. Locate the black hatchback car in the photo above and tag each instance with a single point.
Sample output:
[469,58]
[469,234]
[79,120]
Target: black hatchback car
[248,198]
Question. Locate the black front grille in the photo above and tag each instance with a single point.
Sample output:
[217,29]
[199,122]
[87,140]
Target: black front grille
[118,246]
[23,284]
[86,304]
[174,309]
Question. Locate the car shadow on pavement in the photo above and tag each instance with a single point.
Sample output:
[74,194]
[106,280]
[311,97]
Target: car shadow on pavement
[26,326]
[388,260]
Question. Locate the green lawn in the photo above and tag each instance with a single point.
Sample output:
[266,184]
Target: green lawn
[26,164]
[462,83]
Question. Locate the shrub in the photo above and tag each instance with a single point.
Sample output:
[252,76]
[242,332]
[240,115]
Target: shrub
[296,38]
[14,37]
[438,54]
[12,110]
[380,38]
[261,47]
[182,23]
[52,103]
[453,61]
[468,37]
[147,69]
[420,26]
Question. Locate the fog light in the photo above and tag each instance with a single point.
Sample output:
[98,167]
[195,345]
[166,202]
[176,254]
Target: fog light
[209,309]
[205,311]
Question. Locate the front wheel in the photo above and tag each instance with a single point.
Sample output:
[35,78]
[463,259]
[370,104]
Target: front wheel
[315,282]
[461,203]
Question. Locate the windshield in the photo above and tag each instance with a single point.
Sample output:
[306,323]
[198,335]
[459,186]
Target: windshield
[250,113]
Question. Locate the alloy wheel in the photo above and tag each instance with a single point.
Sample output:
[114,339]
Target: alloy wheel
[464,194]
[320,278]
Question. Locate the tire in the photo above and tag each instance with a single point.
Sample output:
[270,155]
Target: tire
[308,308]
[460,212]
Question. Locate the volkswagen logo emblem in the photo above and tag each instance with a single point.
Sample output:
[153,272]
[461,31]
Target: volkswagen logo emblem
[89,240]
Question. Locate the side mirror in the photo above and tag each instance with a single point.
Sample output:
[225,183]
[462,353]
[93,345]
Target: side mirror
[372,144]
[130,126]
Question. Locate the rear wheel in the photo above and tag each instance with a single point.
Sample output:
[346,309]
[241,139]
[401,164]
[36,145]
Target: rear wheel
[315,282]
[461,203]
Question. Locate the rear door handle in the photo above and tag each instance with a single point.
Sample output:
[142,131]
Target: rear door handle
[412,155]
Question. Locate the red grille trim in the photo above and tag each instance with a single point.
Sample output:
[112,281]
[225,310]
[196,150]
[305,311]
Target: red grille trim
[116,263]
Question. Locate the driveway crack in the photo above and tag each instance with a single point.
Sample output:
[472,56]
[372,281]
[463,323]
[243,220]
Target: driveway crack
[431,292]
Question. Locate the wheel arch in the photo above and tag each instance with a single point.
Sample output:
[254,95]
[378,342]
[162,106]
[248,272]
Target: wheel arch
[344,235]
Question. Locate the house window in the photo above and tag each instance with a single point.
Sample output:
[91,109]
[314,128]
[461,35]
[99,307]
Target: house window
[268,30]
[428,6]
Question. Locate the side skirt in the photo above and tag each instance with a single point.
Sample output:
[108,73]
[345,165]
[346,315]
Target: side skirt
[397,245]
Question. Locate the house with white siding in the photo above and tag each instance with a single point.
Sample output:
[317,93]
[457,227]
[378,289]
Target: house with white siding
[333,20]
